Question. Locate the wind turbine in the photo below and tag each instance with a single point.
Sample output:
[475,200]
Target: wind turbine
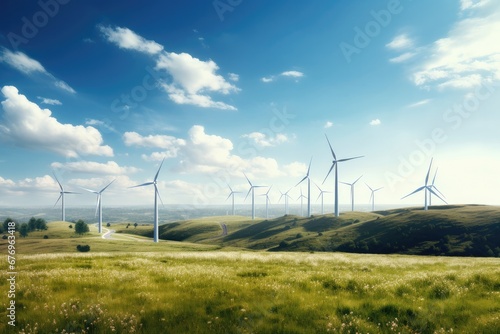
[285,194]
[352,191]
[98,208]
[308,190]
[157,195]
[61,197]
[232,194]
[372,197]
[267,201]
[426,188]
[435,188]
[301,197]
[334,165]
[252,189]
[321,194]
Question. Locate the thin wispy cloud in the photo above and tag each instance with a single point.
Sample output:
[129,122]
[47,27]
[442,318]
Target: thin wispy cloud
[262,140]
[286,74]
[400,42]
[419,103]
[53,102]
[328,125]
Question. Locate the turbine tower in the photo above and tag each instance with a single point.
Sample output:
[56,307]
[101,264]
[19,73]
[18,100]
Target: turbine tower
[98,208]
[285,194]
[61,197]
[301,197]
[321,194]
[426,188]
[372,197]
[308,189]
[267,201]
[334,165]
[252,189]
[157,195]
[352,191]
[231,194]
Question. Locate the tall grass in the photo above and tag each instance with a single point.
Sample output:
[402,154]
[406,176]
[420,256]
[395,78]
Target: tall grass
[245,292]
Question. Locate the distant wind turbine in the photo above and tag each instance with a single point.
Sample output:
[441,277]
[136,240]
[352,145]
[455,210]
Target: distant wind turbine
[301,197]
[231,194]
[334,165]
[308,189]
[285,194]
[61,197]
[425,188]
[252,190]
[321,194]
[432,186]
[372,196]
[352,191]
[98,208]
[267,201]
[157,195]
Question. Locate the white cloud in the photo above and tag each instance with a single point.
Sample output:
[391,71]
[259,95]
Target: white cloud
[234,77]
[469,56]
[328,125]
[25,124]
[472,4]
[53,102]
[170,144]
[102,124]
[296,169]
[419,103]
[375,122]
[22,62]
[180,96]
[261,140]
[127,39]
[292,74]
[400,42]
[267,79]
[402,58]
[29,66]
[91,167]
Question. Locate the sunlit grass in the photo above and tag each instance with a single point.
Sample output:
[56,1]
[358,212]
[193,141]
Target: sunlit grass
[254,292]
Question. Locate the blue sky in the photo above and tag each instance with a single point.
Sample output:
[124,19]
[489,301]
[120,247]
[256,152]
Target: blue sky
[97,92]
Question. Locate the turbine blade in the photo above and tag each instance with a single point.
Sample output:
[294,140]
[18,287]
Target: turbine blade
[57,180]
[158,172]
[435,188]
[369,186]
[333,165]
[97,204]
[143,184]
[415,191]
[309,168]
[158,193]
[58,200]
[250,183]
[70,192]
[435,194]
[357,180]
[378,189]
[349,184]
[248,193]
[347,159]
[305,178]
[428,171]
[331,149]
[89,190]
[107,186]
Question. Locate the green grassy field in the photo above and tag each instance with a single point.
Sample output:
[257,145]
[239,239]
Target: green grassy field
[254,292]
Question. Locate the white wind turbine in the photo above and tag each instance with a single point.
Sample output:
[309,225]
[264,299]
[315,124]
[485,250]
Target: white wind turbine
[432,186]
[252,189]
[321,194]
[372,197]
[334,165]
[267,201]
[426,188]
[231,194]
[157,195]
[352,191]
[285,194]
[308,190]
[301,197]
[61,197]
[98,208]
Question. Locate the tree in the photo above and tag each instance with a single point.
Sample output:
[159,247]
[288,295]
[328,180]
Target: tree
[32,224]
[135,225]
[108,225]
[6,223]
[23,230]
[81,227]
[41,224]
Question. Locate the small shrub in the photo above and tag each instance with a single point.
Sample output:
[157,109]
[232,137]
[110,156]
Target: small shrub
[46,236]
[83,248]
[298,236]
[4,237]
[70,226]
[284,244]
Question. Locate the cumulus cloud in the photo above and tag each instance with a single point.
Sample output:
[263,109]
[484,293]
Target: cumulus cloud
[468,56]
[375,122]
[25,124]
[472,4]
[29,66]
[92,167]
[170,144]
[192,79]
[262,140]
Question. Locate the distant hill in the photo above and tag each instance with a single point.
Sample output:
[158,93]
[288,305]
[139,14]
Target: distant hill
[464,230]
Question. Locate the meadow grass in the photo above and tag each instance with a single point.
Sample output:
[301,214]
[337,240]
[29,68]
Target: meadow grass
[254,292]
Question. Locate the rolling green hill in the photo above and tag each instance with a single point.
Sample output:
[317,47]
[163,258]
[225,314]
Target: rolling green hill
[465,230]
